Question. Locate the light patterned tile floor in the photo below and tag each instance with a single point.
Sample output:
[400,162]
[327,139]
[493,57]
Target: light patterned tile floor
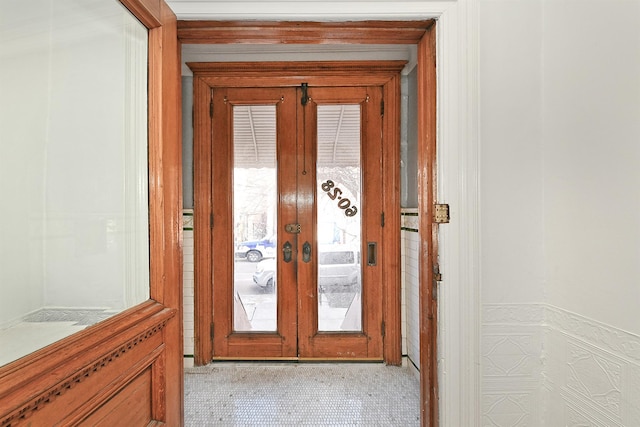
[301,394]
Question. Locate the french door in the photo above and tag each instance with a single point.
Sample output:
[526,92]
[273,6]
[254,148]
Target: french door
[297,222]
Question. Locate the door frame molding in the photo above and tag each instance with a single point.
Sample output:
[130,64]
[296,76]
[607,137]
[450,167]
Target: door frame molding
[430,51]
[290,74]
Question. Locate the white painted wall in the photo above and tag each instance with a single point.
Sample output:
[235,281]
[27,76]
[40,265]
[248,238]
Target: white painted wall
[592,158]
[511,157]
[560,126]
[560,131]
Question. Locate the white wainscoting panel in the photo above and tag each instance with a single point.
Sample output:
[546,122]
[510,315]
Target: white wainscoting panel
[512,339]
[545,366]
[591,372]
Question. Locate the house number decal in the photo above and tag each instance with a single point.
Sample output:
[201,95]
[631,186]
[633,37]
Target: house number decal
[336,193]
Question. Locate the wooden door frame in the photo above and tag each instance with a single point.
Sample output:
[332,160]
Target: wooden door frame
[385,74]
[422,34]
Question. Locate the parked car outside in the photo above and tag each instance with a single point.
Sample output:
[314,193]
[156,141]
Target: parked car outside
[338,273]
[265,274]
[255,250]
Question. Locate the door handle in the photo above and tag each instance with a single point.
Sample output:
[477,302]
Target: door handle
[286,252]
[306,252]
[372,253]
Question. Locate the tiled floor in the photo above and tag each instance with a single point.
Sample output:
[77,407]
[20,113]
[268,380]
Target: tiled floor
[295,394]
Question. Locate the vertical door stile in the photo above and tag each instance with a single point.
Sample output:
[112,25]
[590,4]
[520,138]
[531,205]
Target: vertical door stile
[221,210]
[306,197]
[372,160]
[287,214]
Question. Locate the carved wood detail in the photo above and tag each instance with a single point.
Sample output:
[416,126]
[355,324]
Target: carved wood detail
[48,396]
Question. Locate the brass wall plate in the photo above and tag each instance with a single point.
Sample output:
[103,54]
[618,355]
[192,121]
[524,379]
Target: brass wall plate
[292,228]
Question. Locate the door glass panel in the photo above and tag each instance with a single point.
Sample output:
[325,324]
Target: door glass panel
[255,218]
[339,218]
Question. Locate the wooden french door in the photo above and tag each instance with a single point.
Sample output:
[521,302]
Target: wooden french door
[297,222]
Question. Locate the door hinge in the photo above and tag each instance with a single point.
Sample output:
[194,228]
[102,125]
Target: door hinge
[383,328]
[382,219]
[211,108]
[382,107]
[210,220]
[211,331]
[437,276]
[441,214]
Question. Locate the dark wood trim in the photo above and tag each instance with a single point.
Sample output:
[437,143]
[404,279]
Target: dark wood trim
[392,274]
[269,32]
[202,184]
[171,392]
[35,383]
[281,74]
[165,199]
[88,375]
[427,193]
[278,68]
[147,11]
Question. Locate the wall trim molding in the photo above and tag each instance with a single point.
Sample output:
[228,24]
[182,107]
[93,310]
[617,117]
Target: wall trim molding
[458,148]
[606,337]
[498,314]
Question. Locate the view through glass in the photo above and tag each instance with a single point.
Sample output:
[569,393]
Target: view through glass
[74,217]
[255,218]
[339,196]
